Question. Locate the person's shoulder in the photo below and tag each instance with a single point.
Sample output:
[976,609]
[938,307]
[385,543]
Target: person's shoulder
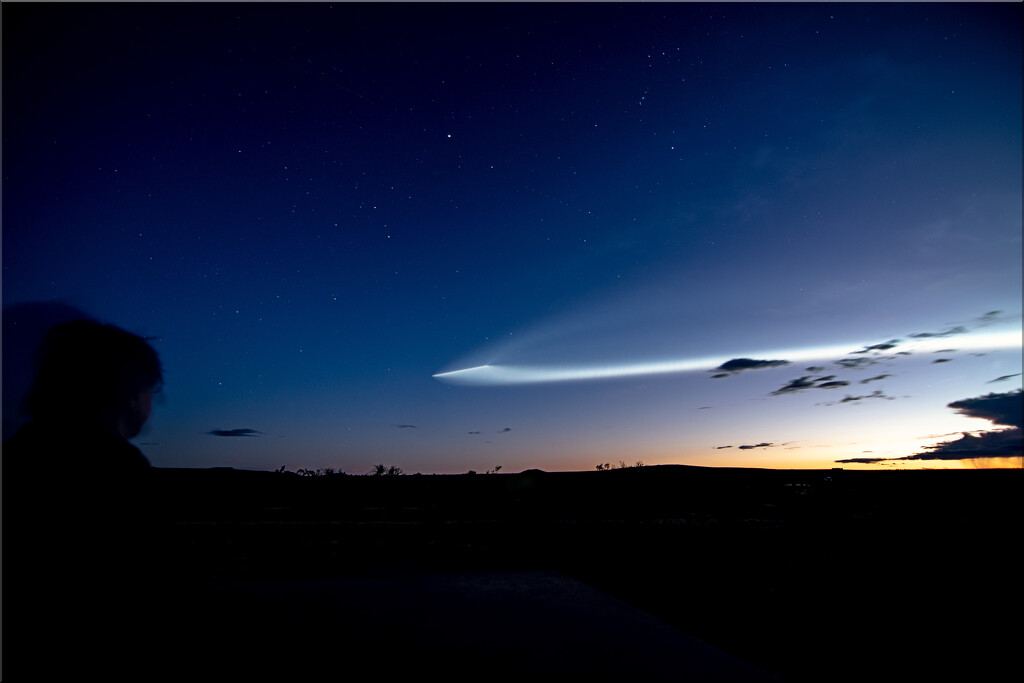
[72,448]
[110,452]
[129,457]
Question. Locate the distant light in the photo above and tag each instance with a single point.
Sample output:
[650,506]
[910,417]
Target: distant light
[493,374]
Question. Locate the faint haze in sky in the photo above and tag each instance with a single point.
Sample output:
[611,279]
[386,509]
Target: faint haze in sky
[778,235]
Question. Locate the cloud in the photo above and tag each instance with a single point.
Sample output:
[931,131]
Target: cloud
[234,432]
[506,429]
[1004,377]
[796,385]
[1001,444]
[884,346]
[738,365]
[959,329]
[874,379]
[989,318]
[760,445]
[1002,409]
[851,399]
[809,382]
[874,394]
[856,363]
[718,448]
[405,426]
[832,385]
[864,461]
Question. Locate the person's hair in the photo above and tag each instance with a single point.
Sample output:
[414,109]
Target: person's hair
[87,371]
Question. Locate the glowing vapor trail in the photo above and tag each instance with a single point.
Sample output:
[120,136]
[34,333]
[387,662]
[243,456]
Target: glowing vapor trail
[493,374]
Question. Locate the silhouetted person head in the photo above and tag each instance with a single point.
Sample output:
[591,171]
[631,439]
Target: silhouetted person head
[91,527]
[93,373]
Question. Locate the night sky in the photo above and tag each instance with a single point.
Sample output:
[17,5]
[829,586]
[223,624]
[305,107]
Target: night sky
[728,235]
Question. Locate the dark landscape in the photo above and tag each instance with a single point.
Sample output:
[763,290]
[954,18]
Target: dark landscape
[809,575]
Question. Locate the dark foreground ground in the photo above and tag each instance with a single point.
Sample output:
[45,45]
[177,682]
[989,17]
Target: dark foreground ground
[806,575]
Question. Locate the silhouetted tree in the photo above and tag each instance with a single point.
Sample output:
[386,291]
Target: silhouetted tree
[325,472]
[621,466]
[381,471]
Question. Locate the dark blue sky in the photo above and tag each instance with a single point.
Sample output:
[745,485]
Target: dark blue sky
[316,208]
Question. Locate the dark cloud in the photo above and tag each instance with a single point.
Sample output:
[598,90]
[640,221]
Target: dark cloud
[874,394]
[855,363]
[796,385]
[874,379]
[815,368]
[959,329]
[506,429]
[760,445]
[472,432]
[884,346]
[234,432]
[738,365]
[1002,444]
[864,461]
[1004,377]
[1001,409]
[718,448]
[406,426]
[989,318]
[942,360]
[809,382]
